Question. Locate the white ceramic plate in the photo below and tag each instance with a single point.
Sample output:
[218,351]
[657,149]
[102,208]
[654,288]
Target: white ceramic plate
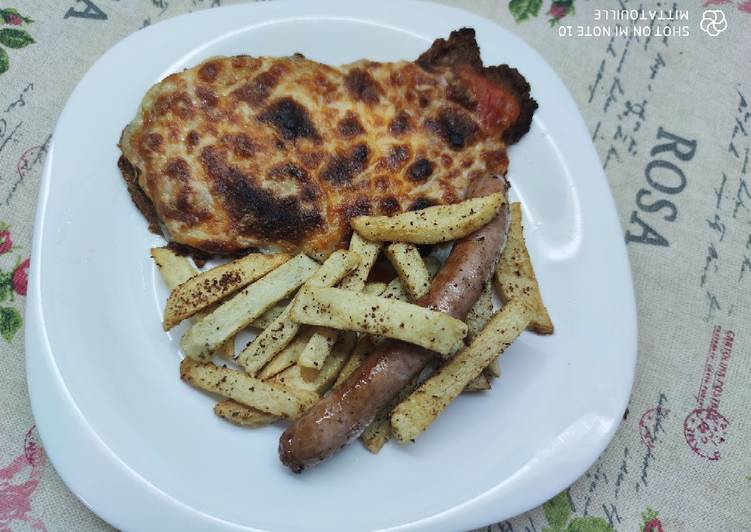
[145,452]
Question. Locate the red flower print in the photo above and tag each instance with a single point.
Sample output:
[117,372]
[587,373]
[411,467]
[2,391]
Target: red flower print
[651,521]
[21,278]
[18,481]
[13,17]
[558,11]
[6,243]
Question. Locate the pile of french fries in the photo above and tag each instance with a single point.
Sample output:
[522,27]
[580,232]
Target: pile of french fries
[315,323]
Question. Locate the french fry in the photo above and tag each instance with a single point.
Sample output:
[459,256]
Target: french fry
[432,225]
[515,277]
[264,396]
[421,408]
[322,341]
[374,289]
[176,270]
[363,348]
[213,285]
[282,330]
[227,349]
[395,290]
[375,436]
[368,252]
[410,267]
[494,369]
[244,416]
[173,268]
[293,377]
[342,309]
[318,348]
[272,313]
[480,313]
[206,335]
[478,384]
[286,357]
[477,318]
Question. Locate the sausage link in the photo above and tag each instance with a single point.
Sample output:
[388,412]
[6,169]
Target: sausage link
[348,409]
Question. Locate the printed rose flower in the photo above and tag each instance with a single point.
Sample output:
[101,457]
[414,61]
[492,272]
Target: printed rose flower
[21,278]
[14,18]
[559,9]
[5,241]
[651,521]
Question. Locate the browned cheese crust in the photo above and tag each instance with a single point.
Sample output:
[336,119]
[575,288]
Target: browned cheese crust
[279,153]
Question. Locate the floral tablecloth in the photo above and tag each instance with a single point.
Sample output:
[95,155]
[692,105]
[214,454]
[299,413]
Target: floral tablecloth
[666,92]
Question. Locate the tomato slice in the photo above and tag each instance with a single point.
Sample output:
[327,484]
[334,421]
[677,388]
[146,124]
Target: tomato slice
[497,107]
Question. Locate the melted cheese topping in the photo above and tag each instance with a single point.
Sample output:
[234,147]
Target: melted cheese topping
[280,153]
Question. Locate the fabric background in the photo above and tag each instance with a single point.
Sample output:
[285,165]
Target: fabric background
[680,460]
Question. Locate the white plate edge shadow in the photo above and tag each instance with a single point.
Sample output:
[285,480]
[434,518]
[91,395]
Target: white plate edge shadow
[41,365]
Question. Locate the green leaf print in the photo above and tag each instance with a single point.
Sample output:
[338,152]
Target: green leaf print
[11,15]
[6,286]
[523,9]
[557,510]
[15,38]
[589,524]
[4,61]
[10,322]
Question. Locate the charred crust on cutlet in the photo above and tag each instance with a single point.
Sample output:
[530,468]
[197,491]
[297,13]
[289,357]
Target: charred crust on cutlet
[144,204]
[400,124]
[342,168]
[360,207]
[198,256]
[454,126]
[512,80]
[178,169]
[421,203]
[398,155]
[242,145]
[350,126]
[460,94]
[209,71]
[256,211]
[201,257]
[139,197]
[461,49]
[389,205]
[290,119]
[420,170]
[361,86]
[206,97]
[255,91]
[153,142]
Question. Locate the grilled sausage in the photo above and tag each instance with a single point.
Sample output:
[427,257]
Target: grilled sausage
[347,410]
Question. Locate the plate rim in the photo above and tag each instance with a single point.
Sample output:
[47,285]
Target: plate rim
[43,374]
